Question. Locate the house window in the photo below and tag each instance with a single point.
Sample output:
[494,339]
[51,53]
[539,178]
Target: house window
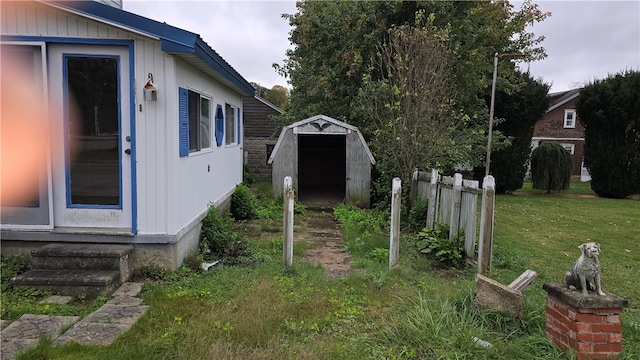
[230,124]
[570,119]
[571,148]
[195,122]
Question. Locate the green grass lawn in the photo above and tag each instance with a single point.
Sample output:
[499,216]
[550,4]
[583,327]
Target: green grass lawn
[418,311]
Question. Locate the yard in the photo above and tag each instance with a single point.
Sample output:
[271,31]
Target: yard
[418,311]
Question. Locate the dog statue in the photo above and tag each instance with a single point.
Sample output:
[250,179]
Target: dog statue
[585,269]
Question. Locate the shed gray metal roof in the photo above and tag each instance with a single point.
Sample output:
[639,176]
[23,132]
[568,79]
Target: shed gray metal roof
[326,119]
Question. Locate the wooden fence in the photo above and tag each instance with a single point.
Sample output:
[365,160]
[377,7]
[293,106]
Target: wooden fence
[451,200]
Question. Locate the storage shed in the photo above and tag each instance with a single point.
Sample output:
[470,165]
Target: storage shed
[328,161]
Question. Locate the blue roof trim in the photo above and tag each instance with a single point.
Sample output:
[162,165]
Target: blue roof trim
[172,39]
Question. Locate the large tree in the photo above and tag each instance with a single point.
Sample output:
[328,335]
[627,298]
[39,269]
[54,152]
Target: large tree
[609,111]
[336,44]
[410,100]
[517,111]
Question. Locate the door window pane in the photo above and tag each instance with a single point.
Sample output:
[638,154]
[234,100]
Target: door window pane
[93,137]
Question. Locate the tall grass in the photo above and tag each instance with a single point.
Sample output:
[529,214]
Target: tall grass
[268,311]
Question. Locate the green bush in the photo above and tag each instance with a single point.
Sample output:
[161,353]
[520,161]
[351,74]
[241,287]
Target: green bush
[551,167]
[218,237]
[418,215]
[609,112]
[12,266]
[244,204]
[436,242]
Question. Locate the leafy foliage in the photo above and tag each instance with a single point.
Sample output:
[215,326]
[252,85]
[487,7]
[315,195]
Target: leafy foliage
[551,167]
[244,204]
[409,97]
[218,237]
[436,242]
[335,47]
[12,266]
[517,112]
[609,110]
[418,215]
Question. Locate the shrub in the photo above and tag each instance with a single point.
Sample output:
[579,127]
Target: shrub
[244,204]
[436,242]
[609,112]
[418,215]
[12,266]
[551,167]
[217,236]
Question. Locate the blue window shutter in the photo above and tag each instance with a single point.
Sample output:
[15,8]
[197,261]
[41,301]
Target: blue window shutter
[219,125]
[183,116]
[239,126]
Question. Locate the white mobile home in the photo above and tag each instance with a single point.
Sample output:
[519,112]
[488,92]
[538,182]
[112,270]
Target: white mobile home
[146,120]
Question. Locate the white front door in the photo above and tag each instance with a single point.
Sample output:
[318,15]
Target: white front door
[90,95]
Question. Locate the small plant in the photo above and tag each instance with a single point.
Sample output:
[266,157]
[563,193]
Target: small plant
[244,204]
[418,215]
[154,272]
[194,261]
[436,242]
[12,266]
[380,255]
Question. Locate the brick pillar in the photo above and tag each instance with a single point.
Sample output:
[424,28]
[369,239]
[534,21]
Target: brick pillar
[587,326]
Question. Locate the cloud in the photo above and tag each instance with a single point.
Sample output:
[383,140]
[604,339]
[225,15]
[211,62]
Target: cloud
[249,35]
[587,40]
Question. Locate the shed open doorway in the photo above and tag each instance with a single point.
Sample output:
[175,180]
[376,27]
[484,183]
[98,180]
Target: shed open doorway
[321,169]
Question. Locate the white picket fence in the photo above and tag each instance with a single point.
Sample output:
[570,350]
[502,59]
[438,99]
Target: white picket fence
[451,200]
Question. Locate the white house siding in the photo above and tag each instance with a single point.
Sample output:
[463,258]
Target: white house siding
[207,176]
[166,199]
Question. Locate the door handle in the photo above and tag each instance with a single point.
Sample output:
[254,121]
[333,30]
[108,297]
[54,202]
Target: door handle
[127,151]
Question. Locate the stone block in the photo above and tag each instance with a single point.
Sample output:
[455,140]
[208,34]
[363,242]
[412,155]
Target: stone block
[493,295]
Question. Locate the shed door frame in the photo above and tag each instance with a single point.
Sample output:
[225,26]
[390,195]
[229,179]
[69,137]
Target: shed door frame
[334,174]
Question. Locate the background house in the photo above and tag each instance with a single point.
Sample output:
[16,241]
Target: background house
[561,124]
[259,136]
[328,160]
[145,165]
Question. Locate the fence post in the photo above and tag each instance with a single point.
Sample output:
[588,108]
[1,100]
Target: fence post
[432,197]
[455,205]
[485,244]
[413,190]
[287,223]
[394,237]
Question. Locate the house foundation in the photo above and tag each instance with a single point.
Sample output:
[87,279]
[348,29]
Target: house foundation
[588,326]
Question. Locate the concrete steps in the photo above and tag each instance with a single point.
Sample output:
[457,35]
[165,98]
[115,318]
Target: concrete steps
[91,270]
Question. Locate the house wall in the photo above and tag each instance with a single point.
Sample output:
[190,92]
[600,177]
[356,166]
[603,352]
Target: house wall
[173,193]
[205,177]
[259,131]
[257,156]
[551,128]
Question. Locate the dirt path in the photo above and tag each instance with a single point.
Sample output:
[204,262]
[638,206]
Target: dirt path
[325,243]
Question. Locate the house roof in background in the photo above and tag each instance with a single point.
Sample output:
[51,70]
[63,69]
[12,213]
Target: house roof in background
[562,97]
[182,43]
[264,101]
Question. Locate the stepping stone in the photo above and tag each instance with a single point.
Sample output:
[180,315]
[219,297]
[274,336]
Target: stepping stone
[104,325]
[88,333]
[57,299]
[128,289]
[25,332]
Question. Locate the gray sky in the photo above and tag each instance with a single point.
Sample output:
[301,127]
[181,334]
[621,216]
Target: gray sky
[585,40]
